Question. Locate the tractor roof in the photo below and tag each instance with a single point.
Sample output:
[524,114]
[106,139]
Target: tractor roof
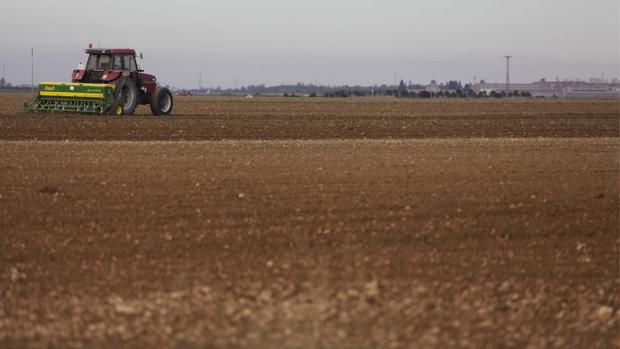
[108,51]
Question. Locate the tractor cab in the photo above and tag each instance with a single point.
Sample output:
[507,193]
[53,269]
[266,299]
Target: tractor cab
[107,65]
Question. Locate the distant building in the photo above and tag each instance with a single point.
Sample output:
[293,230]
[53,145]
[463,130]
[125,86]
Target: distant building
[559,89]
[433,87]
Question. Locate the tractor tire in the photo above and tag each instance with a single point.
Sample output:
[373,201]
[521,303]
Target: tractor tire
[127,97]
[161,101]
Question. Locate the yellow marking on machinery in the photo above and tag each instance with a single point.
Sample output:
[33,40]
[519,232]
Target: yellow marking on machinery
[71,94]
[78,84]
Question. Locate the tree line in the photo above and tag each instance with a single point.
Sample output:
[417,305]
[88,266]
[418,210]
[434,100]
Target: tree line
[412,94]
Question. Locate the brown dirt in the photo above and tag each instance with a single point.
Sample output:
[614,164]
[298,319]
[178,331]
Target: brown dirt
[298,118]
[473,242]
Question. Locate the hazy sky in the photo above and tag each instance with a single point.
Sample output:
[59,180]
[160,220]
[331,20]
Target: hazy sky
[325,41]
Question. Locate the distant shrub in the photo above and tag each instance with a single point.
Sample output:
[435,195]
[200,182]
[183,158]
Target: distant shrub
[424,94]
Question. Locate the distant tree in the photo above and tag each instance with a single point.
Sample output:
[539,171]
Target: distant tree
[424,94]
[454,85]
[408,94]
[285,94]
[402,88]
[341,94]
[312,95]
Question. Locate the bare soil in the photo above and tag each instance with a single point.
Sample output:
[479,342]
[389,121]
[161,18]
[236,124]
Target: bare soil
[481,224]
[198,118]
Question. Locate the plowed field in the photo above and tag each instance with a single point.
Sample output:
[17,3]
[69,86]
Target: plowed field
[294,223]
[198,118]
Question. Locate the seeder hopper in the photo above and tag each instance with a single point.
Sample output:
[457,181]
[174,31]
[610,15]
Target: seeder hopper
[74,97]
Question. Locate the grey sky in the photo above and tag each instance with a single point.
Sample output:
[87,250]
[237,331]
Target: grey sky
[324,41]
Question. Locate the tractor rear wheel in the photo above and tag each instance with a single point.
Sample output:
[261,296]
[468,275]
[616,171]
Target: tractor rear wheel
[127,97]
[161,101]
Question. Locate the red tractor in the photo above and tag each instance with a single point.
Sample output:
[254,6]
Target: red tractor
[132,86]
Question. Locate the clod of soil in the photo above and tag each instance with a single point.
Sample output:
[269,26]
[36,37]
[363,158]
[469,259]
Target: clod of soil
[49,189]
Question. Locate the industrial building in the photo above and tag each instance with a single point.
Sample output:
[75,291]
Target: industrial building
[556,89]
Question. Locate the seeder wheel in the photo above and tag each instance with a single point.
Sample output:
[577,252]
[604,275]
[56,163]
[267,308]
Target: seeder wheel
[117,110]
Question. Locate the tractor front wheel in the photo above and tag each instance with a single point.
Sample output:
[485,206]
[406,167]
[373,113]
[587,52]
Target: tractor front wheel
[161,101]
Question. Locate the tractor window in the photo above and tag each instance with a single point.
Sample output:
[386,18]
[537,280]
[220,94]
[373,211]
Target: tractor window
[104,62]
[130,63]
[118,63]
[98,62]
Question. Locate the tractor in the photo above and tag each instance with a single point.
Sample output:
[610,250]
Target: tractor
[110,83]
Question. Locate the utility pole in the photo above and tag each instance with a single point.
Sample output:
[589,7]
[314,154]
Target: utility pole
[200,81]
[508,72]
[32,71]
[395,77]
